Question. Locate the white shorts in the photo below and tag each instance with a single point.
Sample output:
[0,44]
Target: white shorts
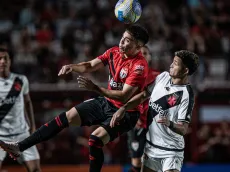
[27,155]
[162,164]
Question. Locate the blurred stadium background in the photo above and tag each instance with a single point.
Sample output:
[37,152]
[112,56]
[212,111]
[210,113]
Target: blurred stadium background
[43,35]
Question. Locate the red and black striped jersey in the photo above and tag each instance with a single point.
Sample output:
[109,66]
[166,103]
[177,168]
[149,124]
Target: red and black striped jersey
[132,71]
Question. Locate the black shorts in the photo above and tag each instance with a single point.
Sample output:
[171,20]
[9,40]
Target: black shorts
[99,111]
[136,142]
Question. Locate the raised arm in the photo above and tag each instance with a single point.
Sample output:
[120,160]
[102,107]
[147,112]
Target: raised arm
[84,67]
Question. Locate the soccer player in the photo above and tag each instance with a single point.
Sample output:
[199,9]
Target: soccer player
[14,98]
[137,136]
[170,109]
[128,72]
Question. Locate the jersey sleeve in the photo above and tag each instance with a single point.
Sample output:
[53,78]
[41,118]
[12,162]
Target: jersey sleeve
[186,108]
[105,57]
[137,75]
[25,89]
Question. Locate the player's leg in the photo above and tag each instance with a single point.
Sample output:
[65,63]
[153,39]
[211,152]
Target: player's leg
[172,164]
[0,165]
[105,134]
[87,117]
[136,142]
[32,166]
[97,140]
[30,159]
[2,157]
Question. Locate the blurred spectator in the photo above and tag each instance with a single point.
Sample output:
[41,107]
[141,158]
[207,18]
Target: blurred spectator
[213,144]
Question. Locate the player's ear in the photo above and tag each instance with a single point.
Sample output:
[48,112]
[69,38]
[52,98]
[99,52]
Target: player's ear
[186,71]
[139,46]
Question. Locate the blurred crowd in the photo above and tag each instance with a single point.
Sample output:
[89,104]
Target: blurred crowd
[46,34]
[213,144]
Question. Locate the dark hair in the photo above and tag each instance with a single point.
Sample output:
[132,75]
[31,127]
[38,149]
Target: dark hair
[139,33]
[145,46]
[3,50]
[190,60]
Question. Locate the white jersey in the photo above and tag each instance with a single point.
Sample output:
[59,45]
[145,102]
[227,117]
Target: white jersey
[174,102]
[12,116]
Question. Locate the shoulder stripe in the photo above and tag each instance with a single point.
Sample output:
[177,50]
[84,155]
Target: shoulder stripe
[111,65]
[190,103]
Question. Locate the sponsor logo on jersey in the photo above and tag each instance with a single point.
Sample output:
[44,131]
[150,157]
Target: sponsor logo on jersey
[139,69]
[116,85]
[158,109]
[123,73]
[164,103]
[10,100]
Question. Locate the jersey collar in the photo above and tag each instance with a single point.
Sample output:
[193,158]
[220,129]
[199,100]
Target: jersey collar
[176,85]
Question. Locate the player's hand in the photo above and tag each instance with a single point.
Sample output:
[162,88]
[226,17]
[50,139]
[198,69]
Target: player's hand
[32,129]
[65,70]
[86,83]
[164,121]
[117,116]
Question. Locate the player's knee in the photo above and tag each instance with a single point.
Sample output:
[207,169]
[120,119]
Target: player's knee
[136,162]
[33,166]
[34,169]
[73,116]
[102,134]
[95,141]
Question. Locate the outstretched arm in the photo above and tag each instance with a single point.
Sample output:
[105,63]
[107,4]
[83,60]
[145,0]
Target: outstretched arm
[84,67]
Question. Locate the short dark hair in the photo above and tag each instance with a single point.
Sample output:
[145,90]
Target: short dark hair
[190,60]
[139,33]
[3,50]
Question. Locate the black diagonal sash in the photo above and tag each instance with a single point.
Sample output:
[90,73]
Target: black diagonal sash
[10,99]
[163,103]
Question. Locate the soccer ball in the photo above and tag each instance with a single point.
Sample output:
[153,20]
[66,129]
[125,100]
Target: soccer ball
[128,11]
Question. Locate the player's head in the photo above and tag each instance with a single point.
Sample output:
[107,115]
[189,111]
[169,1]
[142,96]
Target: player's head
[146,53]
[5,61]
[133,39]
[184,63]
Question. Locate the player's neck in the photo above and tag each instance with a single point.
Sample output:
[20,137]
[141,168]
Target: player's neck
[180,81]
[130,55]
[5,74]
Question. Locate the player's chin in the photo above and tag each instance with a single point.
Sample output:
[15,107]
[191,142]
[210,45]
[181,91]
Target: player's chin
[2,70]
[171,73]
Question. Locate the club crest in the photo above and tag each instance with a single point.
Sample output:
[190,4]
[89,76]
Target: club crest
[123,73]
[135,146]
